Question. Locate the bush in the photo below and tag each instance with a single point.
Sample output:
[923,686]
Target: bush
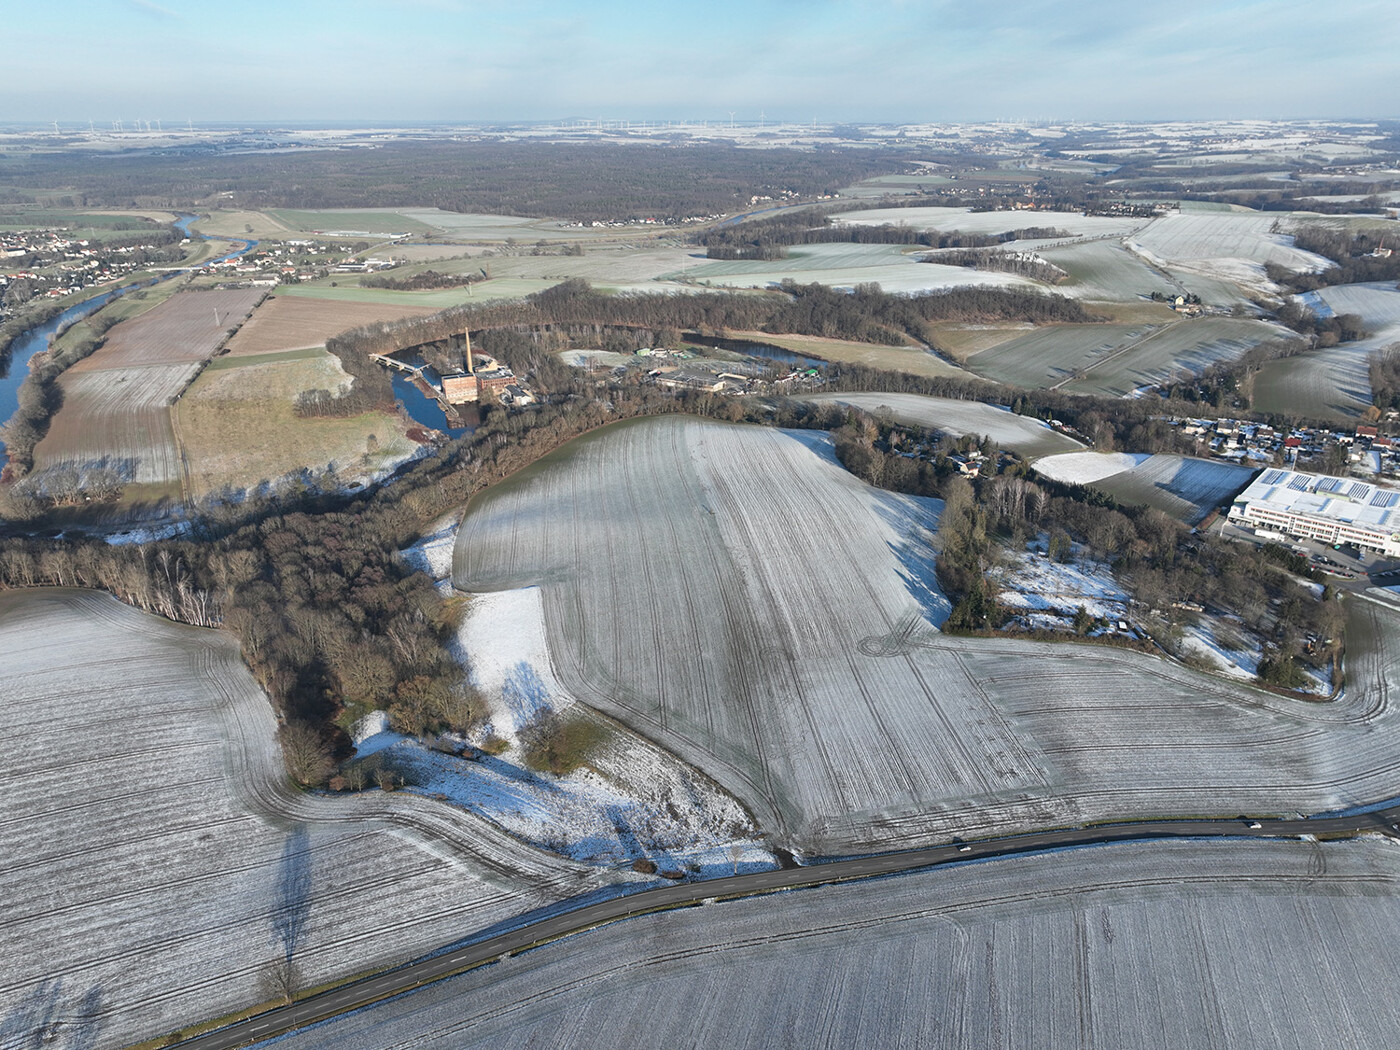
[560,743]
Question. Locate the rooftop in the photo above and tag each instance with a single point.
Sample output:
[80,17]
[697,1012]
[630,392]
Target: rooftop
[1320,495]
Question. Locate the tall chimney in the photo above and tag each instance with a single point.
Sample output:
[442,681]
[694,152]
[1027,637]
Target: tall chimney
[471,368]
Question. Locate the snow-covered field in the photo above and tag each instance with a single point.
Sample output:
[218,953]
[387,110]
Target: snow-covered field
[1331,382]
[1184,487]
[1233,246]
[1084,468]
[1193,945]
[1025,435]
[734,595]
[630,800]
[1181,486]
[1116,360]
[1104,271]
[892,266]
[1076,224]
[154,860]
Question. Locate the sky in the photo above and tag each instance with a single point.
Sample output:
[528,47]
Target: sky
[888,61]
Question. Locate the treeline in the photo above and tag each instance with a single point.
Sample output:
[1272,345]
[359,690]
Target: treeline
[419,282]
[867,314]
[1023,264]
[1350,253]
[770,238]
[1325,331]
[581,181]
[1385,377]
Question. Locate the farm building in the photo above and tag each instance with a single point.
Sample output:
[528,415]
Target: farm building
[1323,508]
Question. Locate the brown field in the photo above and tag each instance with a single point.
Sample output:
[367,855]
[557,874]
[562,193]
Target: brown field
[185,328]
[909,359]
[236,426]
[292,323]
[119,416]
[961,341]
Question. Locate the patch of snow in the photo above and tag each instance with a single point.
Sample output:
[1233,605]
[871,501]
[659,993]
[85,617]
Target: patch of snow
[632,800]
[1045,592]
[432,554]
[1084,468]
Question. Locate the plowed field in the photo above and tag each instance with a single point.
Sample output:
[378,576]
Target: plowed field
[733,594]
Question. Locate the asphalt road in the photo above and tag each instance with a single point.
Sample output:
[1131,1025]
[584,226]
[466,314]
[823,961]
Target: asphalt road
[424,971]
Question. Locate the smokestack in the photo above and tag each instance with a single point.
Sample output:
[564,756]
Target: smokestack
[471,368]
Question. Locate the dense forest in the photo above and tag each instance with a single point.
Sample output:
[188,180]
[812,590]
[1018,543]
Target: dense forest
[601,183]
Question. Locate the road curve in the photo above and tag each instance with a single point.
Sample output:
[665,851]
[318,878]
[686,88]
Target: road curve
[412,975]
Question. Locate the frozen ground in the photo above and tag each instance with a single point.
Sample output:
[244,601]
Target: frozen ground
[631,799]
[1047,593]
[1231,246]
[1025,435]
[1084,468]
[1192,945]
[1183,487]
[734,595]
[154,860]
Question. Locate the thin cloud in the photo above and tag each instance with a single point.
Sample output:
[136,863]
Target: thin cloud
[150,8]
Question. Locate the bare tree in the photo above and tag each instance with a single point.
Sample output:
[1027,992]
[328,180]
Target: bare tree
[305,754]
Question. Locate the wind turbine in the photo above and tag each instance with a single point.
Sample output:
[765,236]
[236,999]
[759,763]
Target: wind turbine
[731,120]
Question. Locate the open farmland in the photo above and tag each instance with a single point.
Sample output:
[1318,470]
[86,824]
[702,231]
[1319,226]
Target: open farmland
[911,359]
[1182,487]
[1333,381]
[734,595]
[892,266]
[1073,223]
[291,323]
[1329,383]
[457,226]
[1104,271]
[116,401]
[1116,359]
[1231,246]
[119,417]
[1192,945]
[1376,302]
[336,290]
[186,327]
[1024,435]
[1189,346]
[237,426]
[1053,354]
[155,861]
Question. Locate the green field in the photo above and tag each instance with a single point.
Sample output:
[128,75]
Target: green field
[220,364]
[1053,354]
[353,221]
[502,288]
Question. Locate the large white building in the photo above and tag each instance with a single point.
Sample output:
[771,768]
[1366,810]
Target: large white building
[1318,507]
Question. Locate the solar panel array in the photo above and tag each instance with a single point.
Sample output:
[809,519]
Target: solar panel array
[1273,477]
[1385,499]
[1299,482]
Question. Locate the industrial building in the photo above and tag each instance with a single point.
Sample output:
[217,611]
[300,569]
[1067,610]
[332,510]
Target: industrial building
[1323,508]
